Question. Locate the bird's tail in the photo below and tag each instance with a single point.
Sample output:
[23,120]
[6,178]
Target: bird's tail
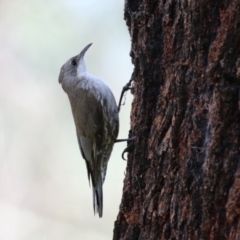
[98,198]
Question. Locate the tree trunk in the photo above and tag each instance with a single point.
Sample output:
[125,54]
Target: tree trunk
[183,175]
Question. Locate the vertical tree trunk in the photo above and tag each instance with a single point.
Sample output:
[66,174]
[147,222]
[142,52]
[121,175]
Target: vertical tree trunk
[183,176]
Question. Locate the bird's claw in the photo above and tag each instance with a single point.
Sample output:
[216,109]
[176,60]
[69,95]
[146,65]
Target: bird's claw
[130,144]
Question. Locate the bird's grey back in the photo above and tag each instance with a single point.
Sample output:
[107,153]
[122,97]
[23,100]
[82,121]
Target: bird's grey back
[93,105]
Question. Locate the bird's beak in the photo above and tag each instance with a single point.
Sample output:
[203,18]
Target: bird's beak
[81,54]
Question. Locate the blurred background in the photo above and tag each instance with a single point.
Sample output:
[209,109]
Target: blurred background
[44,189]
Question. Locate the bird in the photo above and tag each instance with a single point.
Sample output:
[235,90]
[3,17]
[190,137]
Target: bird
[96,119]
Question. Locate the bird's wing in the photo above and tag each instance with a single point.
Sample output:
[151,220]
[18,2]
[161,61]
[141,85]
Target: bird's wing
[96,120]
[88,117]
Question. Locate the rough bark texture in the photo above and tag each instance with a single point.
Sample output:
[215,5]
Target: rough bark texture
[183,176]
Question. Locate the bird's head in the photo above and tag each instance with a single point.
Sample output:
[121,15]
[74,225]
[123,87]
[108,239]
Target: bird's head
[73,68]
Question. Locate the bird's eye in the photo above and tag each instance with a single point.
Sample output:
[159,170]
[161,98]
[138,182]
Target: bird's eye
[73,62]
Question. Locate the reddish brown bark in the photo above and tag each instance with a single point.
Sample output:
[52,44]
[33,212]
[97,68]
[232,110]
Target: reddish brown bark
[183,176]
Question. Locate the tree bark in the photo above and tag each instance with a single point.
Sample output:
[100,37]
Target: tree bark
[183,175]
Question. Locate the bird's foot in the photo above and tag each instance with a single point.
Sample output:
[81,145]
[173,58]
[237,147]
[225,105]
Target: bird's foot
[130,144]
[125,88]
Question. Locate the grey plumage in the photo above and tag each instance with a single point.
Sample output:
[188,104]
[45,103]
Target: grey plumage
[95,115]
